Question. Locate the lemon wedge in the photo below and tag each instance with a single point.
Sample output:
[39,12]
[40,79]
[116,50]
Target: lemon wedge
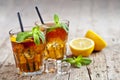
[99,42]
[81,46]
[13,38]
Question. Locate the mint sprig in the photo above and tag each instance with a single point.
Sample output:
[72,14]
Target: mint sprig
[21,36]
[79,61]
[58,24]
[36,33]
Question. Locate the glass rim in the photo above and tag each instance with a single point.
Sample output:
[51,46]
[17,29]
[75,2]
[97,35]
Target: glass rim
[18,29]
[51,21]
[46,21]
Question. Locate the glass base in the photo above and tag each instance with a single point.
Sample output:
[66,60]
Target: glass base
[31,73]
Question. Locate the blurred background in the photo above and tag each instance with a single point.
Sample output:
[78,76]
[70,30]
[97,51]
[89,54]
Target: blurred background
[103,16]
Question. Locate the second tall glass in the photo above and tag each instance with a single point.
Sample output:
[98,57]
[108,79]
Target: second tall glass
[56,39]
[56,43]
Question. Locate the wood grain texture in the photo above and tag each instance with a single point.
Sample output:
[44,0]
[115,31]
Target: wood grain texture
[102,16]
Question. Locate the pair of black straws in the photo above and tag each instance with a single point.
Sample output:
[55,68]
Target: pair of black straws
[20,20]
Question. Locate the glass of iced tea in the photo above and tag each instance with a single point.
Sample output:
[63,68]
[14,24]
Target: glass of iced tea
[56,39]
[56,42]
[27,54]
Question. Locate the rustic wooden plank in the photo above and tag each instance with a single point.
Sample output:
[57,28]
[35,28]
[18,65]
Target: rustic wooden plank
[112,54]
[8,72]
[4,50]
[79,74]
[104,20]
[7,50]
[51,76]
[98,68]
[100,15]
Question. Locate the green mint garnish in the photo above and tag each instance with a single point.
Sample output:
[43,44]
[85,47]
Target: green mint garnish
[35,33]
[58,24]
[78,64]
[36,39]
[21,36]
[65,27]
[56,19]
[79,61]
[51,28]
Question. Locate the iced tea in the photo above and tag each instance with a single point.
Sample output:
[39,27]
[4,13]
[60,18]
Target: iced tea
[28,56]
[56,39]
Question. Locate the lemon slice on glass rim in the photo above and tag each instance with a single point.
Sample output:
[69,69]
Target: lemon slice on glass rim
[13,38]
[81,46]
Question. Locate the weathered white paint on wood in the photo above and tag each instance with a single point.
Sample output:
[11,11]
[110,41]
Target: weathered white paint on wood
[79,74]
[102,16]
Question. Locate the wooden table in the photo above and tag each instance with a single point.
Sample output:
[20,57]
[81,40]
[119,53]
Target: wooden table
[105,66]
[102,16]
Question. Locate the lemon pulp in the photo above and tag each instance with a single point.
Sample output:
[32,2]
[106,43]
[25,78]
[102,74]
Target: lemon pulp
[81,46]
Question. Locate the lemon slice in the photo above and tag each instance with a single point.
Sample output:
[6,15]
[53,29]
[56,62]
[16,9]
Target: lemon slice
[99,42]
[81,46]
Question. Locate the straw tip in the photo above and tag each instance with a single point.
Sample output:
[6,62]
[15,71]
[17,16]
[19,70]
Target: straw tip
[18,13]
[36,7]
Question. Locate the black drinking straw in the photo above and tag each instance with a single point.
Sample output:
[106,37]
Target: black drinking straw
[20,21]
[38,12]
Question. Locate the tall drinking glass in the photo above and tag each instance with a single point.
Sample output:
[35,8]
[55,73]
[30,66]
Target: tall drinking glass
[56,39]
[56,42]
[28,56]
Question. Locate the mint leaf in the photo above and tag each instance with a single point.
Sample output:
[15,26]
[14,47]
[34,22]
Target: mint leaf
[70,60]
[58,24]
[36,38]
[80,57]
[42,36]
[79,61]
[86,61]
[65,27]
[35,33]
[78,65]
[21,36]
[35,29]
[56,19]
[51,28]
